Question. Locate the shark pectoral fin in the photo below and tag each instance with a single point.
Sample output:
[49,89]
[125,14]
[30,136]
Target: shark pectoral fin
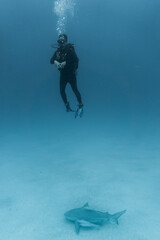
[77,226]
[116,221]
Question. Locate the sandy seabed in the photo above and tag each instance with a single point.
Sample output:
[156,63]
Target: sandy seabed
[51,166]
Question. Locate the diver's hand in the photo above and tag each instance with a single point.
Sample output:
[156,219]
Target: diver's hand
[63,64]
[58,65]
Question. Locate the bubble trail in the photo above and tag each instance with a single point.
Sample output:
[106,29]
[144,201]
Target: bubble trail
[63,8]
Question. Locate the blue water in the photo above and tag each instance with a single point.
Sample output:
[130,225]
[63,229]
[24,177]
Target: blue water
[51,162]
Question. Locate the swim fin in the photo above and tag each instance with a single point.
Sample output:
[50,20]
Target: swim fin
[79,111]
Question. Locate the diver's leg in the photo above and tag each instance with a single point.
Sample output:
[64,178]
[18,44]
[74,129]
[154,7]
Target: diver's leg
[63,83]
[73,83]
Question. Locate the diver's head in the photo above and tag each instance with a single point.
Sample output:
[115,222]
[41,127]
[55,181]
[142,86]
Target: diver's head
[62,39]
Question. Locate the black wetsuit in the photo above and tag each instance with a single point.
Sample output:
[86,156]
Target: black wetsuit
[68,73]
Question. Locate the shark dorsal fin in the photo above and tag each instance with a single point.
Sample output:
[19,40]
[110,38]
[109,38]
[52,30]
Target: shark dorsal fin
[86,205]
[77,226]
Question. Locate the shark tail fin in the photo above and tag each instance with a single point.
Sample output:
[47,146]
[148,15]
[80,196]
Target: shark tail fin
[114,217]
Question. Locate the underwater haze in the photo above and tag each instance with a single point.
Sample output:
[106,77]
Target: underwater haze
[51,162]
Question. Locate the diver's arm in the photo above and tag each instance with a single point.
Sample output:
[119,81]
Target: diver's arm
[54,61]
[53,58]
[72,59]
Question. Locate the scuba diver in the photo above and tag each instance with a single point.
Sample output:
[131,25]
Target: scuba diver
[66,61]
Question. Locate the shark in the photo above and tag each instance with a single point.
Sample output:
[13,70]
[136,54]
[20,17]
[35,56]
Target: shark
[90,218]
